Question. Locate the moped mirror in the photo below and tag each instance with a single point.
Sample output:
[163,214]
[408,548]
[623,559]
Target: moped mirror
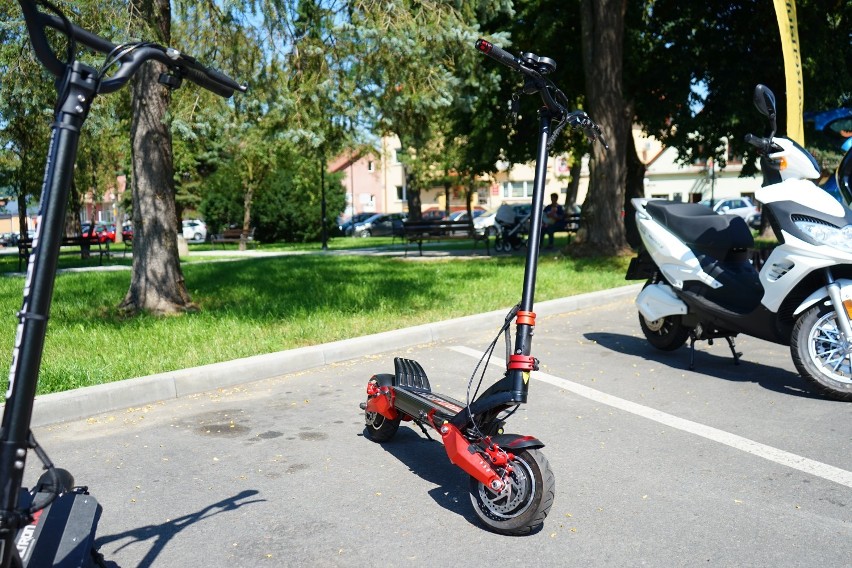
[764,101]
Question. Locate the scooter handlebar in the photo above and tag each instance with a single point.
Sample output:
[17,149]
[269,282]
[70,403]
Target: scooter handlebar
[499,54]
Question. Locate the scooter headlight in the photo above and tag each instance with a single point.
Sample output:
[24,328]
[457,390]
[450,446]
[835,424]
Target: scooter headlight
[828,235]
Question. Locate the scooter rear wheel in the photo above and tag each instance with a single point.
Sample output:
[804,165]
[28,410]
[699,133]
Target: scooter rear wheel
[524,506]
[379,428]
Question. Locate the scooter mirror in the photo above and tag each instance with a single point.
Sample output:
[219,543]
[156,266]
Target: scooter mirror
[764,101]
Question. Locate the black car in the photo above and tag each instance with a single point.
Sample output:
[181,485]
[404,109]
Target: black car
[380,224]
[345,227]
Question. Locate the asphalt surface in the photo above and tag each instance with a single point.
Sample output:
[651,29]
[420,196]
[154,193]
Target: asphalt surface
[655,465]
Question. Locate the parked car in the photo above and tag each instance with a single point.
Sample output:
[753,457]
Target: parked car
[194,230]
[740,206]
[127,232]
[346,226]
[104,232]
[380,224]
[462,215]
[8,239]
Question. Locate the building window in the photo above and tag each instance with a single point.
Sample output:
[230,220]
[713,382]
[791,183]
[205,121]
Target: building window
[400,193]
[517,189]
[395,160]
[371,166]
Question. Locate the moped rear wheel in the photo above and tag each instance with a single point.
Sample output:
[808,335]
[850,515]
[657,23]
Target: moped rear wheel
[821,353]
[524,506]
[666,334]
[380,428]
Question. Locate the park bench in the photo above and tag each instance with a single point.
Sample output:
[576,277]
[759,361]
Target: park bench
[441,230]
[233,236]
[85,246]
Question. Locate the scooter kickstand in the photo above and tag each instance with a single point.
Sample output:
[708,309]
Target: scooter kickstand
[691,351]
[423,429]
[734,351]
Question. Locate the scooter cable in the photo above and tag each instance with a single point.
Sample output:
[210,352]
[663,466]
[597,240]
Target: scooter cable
[485,360]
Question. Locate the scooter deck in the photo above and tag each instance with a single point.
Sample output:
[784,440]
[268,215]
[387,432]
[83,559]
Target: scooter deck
[414,396]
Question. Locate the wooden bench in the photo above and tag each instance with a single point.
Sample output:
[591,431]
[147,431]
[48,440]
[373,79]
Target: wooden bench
[572,225]
[86,246]
[425,230]
[233,236]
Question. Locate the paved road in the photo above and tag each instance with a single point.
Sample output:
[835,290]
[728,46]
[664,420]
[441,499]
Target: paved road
[656,465]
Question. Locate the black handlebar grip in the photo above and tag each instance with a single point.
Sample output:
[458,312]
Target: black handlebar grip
[208,81]
[498,54]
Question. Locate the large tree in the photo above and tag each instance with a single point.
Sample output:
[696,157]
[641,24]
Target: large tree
[157,284]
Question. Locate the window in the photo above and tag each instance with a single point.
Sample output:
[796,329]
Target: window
[371,166]
[517,189]
[400,193]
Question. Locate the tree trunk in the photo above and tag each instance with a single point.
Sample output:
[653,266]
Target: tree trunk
[635,187]
[603,33]
[574,183]
[248,197]
[157,285]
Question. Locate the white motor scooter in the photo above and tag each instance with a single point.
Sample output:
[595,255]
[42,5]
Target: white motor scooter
[702,284]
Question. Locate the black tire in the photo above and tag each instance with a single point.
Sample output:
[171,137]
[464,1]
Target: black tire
[666,334]
[820,353]
[525,507]
[366,233]
[380,428]
[196,237]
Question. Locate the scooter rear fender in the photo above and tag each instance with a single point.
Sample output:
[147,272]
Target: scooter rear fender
[658,301]
[380,396]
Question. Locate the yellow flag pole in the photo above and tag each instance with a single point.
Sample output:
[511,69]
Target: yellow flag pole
[785,10]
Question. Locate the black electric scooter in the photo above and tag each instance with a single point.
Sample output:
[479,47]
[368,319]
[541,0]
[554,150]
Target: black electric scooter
[512,486]
[54,523]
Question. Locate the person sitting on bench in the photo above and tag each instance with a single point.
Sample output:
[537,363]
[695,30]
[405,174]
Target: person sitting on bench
[554,219]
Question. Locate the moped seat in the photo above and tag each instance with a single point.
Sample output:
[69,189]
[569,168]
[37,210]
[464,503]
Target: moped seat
[702,228]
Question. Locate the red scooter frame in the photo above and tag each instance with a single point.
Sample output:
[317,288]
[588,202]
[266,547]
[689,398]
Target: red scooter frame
[512,486]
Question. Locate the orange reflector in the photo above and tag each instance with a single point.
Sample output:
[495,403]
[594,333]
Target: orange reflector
[782,163]
[848,305]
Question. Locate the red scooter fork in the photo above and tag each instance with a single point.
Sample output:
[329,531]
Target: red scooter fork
[465,455]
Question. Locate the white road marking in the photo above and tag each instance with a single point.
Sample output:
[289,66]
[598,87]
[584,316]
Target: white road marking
[770,453]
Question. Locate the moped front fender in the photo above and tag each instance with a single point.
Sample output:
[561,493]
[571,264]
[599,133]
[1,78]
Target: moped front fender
[822,294]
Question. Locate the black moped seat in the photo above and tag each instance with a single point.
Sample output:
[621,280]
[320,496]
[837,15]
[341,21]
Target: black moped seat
[703,229]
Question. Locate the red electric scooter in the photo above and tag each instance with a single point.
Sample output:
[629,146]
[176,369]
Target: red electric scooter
[54,523]
[512,486]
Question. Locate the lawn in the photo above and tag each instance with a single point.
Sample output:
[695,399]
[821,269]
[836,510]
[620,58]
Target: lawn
[263,305]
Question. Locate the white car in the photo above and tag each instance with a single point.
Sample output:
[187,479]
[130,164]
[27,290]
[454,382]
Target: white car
[741,206]
[194,230]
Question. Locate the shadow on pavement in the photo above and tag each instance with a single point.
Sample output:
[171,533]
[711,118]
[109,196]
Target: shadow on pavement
[160,535]
[719,365]
[428,460]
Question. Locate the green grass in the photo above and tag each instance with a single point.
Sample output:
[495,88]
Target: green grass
[263,305]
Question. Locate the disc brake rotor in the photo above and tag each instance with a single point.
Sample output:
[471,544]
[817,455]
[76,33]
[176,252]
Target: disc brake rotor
[516,498]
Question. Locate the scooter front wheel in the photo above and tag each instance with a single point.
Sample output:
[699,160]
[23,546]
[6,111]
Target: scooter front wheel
[821,353]
[523,506]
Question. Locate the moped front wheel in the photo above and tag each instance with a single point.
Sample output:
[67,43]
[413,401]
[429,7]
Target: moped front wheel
[523,506]
[821,353]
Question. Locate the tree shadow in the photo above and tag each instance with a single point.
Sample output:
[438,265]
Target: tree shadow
[161,534]
[719,365]
[428,460]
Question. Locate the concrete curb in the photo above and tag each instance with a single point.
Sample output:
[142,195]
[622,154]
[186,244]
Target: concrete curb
[81,403]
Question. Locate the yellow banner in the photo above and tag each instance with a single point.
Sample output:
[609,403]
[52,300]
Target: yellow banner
[785,10]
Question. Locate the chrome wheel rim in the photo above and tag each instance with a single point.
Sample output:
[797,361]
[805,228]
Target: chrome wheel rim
[829,351]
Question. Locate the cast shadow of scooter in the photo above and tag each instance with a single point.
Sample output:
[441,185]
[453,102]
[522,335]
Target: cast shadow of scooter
[160,535]
[428,460]
[719,365]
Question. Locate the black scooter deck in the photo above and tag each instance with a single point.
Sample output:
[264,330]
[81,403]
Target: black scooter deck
[414,396]
[418,404]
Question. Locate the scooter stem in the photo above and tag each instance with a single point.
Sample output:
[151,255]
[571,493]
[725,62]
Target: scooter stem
[526,319]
